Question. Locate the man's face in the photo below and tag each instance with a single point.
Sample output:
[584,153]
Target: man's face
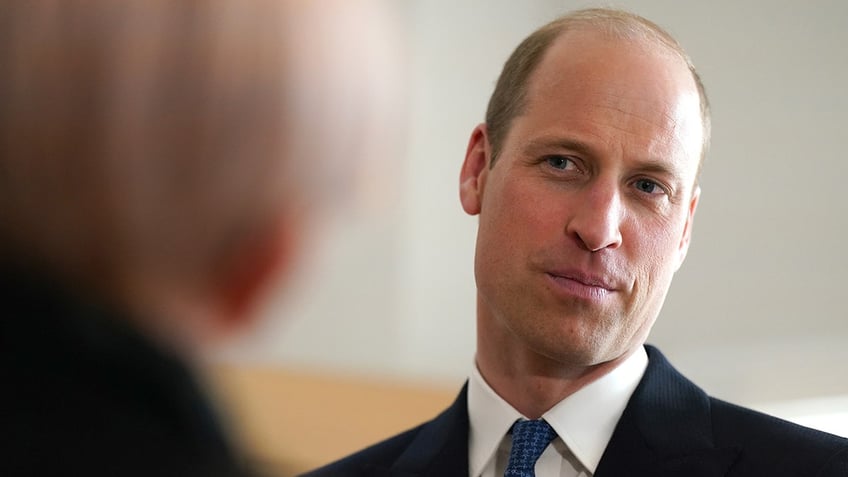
[587,212]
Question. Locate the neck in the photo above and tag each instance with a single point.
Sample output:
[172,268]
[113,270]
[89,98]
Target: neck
[530,382]
[174,316]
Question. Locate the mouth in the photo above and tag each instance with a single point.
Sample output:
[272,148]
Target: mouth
[580,285]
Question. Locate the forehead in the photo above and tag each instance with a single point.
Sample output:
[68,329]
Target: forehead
[611,86]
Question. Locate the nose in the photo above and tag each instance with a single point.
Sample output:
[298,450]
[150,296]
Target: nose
[596,219]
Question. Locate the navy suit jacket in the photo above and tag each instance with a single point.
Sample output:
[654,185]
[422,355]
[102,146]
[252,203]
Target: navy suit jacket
[670,428]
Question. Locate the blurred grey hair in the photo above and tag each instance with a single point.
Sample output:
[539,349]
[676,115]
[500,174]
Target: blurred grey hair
[140,136]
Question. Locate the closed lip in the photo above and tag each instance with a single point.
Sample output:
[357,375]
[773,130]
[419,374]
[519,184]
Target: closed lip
[585,278]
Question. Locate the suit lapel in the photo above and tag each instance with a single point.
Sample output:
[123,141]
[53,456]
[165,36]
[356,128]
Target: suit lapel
[439,450]
[665,430]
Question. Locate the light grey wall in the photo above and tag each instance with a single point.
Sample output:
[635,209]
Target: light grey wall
[756,314]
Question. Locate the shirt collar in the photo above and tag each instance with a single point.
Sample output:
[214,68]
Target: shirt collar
[490,418]
[584,420]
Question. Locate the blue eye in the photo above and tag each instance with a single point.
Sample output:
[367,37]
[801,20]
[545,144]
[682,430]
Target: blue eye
[648,186]
[558,162]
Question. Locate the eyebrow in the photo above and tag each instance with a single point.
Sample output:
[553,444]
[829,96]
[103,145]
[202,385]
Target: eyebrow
[575,145]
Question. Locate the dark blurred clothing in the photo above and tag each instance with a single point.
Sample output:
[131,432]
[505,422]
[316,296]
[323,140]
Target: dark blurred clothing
[84,394]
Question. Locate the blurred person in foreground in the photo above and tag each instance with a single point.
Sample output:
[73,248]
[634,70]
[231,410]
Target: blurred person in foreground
[585,180]
[159,161]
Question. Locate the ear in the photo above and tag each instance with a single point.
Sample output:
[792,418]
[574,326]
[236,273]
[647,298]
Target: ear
[683,249]
[472,177]
[257,263]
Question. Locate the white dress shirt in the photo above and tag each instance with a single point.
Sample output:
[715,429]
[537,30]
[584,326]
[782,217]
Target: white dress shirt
[584,423]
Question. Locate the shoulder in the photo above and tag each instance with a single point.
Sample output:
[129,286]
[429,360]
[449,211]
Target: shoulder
[787,446]
[379,455]
[673,414]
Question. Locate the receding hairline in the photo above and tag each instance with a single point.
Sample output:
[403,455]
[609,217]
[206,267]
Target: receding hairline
[612,24]
[617,24]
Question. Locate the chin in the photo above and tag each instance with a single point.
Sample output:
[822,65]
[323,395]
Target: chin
[575,349]
[567,351]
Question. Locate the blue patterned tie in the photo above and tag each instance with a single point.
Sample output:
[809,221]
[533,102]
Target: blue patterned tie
[529,439]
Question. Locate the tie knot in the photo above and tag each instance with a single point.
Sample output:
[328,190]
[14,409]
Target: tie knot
[529,440]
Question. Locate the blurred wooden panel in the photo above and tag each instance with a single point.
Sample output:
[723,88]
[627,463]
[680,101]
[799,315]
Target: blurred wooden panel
[294,421]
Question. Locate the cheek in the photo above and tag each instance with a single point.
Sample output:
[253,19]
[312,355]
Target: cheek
[515,222]
[653,253]
[533,209]
[509,209]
